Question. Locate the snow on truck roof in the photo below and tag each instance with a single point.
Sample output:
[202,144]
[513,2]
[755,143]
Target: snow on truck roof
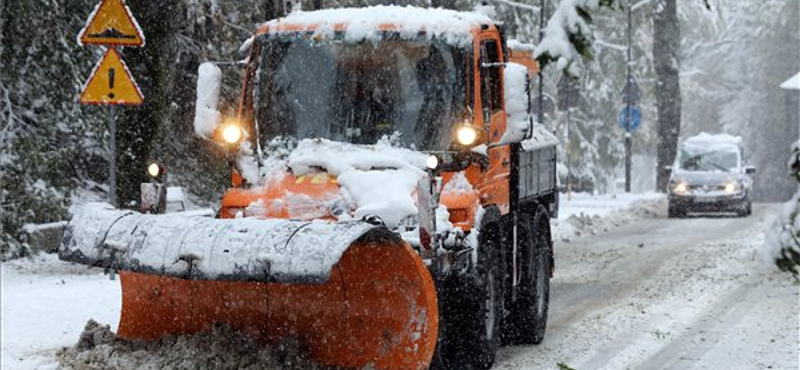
[360,24]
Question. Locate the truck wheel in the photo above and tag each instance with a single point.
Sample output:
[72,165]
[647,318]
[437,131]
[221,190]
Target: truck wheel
[475,310]
[527,320]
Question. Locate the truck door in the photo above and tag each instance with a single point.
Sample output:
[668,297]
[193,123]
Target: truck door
[495,188]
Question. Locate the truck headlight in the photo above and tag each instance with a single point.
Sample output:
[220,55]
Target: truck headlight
[432,162]
[679,188]
[157,171]
[466,135]
[232,133]
[153,170]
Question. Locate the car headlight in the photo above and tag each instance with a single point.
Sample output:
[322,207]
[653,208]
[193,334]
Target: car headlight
[733,186]
[679,188]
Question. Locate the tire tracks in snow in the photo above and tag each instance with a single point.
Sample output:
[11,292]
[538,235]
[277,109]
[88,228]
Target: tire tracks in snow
[618,304]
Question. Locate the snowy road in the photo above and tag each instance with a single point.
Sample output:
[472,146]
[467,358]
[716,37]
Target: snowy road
[652,293]
[668,294]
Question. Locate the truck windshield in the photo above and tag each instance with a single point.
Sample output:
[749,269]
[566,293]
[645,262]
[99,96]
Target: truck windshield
[360,92]
[709,161]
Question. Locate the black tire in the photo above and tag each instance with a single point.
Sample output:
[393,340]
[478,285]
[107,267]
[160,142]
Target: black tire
[673,211]
[473,310]
[527,319]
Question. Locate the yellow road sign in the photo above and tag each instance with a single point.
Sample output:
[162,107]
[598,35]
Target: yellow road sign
[111,83]
[111,23]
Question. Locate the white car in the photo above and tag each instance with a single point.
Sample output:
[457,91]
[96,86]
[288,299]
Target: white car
[710,175]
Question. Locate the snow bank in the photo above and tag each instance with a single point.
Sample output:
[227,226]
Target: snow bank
[587,215]
[222,349]
[209,83]
[362,24]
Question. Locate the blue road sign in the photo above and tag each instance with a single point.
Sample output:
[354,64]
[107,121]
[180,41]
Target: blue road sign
[630,121]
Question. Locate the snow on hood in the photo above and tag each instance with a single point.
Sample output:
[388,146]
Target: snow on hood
[366,23]
[337,158]
[376,180]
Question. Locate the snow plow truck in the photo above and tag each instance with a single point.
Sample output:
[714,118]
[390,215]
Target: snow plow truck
[389,203]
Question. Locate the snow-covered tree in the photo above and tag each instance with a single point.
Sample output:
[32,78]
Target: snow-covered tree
[49,145]
[783,237]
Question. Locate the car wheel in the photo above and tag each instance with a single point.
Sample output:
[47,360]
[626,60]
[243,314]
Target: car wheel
[474,311]
[527,319]
[747,210]
[673,211]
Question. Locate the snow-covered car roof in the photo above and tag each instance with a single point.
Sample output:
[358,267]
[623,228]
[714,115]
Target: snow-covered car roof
[710,142]
[368,23]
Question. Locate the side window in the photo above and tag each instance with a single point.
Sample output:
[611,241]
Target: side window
[491,92]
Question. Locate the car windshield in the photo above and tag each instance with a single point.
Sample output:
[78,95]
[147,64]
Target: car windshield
[360,92]
[709,161]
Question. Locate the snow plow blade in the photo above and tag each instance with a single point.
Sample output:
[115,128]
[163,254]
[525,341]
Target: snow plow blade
[353,294]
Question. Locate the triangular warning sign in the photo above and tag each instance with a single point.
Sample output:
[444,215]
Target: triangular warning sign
[111,83]
[111,23]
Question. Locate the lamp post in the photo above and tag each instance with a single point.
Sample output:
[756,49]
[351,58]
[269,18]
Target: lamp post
[628,144]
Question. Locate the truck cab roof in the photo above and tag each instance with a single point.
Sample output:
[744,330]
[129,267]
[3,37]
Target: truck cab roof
[369,24]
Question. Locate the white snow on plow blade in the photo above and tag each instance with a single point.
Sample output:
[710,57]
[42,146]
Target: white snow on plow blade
[208,249]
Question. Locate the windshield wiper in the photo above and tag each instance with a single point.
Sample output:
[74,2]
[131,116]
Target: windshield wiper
[719,167]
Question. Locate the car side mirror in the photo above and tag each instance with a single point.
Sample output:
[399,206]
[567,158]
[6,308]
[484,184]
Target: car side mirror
[750,170]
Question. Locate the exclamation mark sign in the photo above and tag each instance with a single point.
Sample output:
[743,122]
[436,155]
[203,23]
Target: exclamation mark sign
[111,73]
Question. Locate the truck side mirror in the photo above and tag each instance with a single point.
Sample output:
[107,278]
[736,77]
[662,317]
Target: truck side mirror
[750,170]
[207,116]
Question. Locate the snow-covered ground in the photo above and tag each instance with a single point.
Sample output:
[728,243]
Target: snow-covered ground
[662,293]
[632,290]
[45,305]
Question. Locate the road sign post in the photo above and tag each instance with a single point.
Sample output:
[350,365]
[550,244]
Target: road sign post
[111,24]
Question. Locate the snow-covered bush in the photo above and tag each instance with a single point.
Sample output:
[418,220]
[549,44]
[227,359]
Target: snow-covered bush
[783,237]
